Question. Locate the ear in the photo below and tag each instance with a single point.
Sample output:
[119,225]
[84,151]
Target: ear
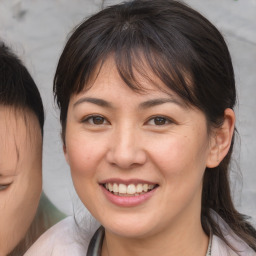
[221,139]
[65,153]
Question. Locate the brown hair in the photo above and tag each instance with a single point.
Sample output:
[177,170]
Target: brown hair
[19,91]
[177,42]
[17,87]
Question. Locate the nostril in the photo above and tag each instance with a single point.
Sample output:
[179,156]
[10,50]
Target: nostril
[126,158]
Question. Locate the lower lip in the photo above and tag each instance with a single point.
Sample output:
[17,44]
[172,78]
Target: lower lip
[127,201]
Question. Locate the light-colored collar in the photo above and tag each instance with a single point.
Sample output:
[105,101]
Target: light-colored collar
[209,249]
[237,246]
[216,246]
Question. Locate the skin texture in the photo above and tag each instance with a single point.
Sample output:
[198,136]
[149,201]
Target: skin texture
[21,168]
[128,143]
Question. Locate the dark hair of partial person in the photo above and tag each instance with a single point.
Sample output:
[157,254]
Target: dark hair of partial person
[186,52]
[19,91]
[17,87]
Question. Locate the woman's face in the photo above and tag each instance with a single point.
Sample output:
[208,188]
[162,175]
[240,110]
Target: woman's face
[20,174]
[137,160]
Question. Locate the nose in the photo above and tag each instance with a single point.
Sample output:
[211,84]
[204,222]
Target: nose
[126,149]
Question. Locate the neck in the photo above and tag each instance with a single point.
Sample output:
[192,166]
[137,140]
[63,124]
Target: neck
[185,240]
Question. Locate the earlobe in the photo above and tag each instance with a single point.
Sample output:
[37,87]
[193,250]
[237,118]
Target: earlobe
[65,153]
[221,141]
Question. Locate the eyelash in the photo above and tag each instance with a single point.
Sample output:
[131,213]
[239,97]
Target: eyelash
[4,186]
[165,119]
[92,120]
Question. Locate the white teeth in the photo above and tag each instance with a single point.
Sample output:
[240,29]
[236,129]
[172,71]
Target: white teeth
[145,187]
[115,188]
[139,188]
[122,189]
[131,189]
[110,187]
[150,187]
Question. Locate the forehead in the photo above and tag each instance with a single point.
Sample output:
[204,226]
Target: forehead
[19,137]
[140,78]
[109,90]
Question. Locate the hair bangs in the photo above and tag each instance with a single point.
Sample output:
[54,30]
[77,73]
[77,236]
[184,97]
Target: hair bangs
[138,53]
[151,65]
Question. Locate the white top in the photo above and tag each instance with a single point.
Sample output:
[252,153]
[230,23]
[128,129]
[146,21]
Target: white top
[63,240]
[219,247]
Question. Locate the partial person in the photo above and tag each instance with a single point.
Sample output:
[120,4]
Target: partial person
[146,92]
[21,139]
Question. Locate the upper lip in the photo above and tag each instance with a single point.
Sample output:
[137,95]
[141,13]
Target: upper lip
[127,181]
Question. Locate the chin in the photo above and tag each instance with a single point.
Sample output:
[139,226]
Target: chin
[129,228]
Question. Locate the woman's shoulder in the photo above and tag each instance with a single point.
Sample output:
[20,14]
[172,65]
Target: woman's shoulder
[60,240]
[237,246]
[220,248]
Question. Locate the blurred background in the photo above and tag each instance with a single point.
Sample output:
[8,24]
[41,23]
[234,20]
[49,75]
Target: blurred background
[37,30]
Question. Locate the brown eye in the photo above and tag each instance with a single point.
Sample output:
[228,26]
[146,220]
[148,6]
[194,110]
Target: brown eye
[159,120]
[98,120]
[95,120]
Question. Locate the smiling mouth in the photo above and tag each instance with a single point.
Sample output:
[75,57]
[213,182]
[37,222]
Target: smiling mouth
[130,189]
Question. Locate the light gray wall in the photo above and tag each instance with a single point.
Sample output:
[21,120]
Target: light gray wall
[37,30]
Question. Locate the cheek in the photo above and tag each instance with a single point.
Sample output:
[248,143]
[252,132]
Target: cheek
[24,201]
[9,233]
[83,154]
[180,156]
[169,153]
[83,159]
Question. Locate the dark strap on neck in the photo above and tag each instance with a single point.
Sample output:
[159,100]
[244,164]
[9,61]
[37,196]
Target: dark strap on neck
[95,245]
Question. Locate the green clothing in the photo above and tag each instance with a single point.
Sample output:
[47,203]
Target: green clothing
[47,215]
[51,214]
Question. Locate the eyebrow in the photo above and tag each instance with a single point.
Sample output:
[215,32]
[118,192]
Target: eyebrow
[156,102]
[99,102]
[143,105]
[2,175]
